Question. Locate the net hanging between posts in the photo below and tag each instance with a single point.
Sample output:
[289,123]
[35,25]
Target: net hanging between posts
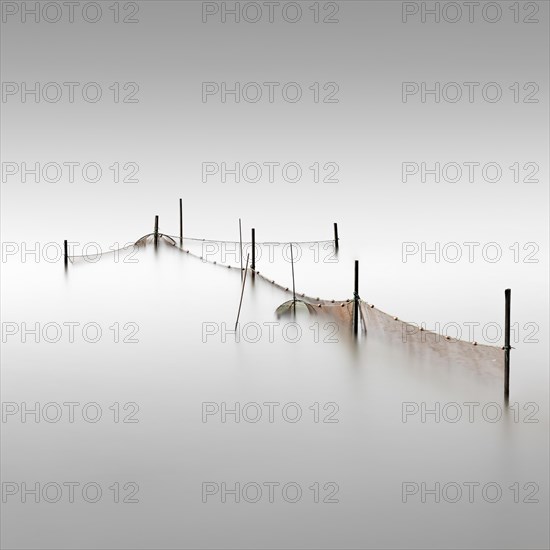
[150,239]
[484,359]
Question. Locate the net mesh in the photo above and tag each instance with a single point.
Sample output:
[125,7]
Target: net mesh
[485,359]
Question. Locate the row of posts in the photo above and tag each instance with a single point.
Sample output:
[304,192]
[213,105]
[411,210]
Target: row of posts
[356,299]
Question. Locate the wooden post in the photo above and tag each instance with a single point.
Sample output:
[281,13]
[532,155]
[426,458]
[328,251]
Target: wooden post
[336,236]
[507,307]
[253,265]
[181,222]
[241,246]
[156,234]
[66,253]
[293,285]
[242,292]
[356,300]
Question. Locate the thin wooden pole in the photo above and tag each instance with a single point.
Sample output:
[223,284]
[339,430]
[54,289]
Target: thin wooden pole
[241,246]
[66,253]
[156,234]
[336,236]
[293,286]
[181,222]
[507,308]
[356,300]
[242,292]
[253,266]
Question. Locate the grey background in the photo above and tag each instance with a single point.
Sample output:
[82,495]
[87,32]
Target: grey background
[369,133]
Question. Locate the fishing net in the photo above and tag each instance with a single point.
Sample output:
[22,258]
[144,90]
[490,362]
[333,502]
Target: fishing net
[92,253]
[395,332]
[151,239]
[484,359]
[127,253]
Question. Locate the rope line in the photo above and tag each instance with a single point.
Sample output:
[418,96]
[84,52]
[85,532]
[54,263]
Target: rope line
[318,302]
[177,238]
[101,252]
[249,242]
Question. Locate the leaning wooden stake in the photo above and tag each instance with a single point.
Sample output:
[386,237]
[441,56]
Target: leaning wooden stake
[253,266]
[293,285]
[356,300]
[181,222]
[242,292]
[336,236]
[241,246]
[507,348]
[156,234]
[66,253]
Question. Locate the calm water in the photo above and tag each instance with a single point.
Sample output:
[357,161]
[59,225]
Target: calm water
[351,445]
